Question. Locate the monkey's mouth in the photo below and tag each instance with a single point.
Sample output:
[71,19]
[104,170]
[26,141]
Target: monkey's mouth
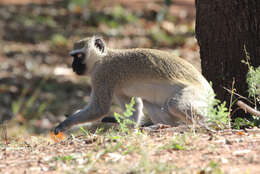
[77,65]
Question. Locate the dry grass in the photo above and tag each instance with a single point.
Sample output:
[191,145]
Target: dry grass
[138,152]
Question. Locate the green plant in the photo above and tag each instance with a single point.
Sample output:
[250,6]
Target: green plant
[65,159]
[59,40]
[124,120]
[146,165]
[100,130]
[33,20]
[242,122]
[252,79]
[114,18]
[84,131]
[175,146]
[159,36]
[179,142]
[161,15]
[213,168]
[218,113]
[120,14]
[76,5]
[79,2]
[28,107]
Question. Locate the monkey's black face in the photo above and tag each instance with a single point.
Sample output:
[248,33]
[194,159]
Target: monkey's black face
[77,65]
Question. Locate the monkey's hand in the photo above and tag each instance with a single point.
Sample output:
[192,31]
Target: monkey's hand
[63,126]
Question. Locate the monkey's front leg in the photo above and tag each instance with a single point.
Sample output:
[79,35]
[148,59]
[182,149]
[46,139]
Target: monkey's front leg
[96,110]
[70,121]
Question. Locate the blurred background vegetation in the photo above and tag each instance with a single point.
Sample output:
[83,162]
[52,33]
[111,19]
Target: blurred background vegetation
[37,86]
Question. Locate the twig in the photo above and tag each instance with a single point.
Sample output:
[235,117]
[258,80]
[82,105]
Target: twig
[4,131]
[230,104]
[230,91]
[247,108]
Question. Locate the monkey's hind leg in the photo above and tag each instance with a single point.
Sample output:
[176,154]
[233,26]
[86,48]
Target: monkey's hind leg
[159,115]
[183,111]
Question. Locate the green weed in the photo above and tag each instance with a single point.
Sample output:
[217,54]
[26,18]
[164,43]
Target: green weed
[31,21]
[65,159]
[58,40]
[146,165]
[253,81]
[242,122]
[162,37]
[84,131]
[27,107]
[124,120]
[178,143]
[212,168]
[218,113]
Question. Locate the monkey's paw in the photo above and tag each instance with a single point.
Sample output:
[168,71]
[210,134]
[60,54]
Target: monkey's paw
[61,127]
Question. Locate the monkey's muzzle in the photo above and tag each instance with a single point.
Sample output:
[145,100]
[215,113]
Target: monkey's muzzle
[77,65]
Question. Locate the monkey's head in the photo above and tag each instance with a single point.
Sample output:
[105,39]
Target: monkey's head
[86,53]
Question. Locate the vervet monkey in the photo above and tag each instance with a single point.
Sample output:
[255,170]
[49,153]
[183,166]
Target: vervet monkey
[169,88]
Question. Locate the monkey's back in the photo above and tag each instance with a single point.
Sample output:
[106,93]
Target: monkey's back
[147,64]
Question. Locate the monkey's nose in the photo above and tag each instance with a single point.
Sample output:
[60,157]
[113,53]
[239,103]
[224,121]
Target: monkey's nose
[74,53]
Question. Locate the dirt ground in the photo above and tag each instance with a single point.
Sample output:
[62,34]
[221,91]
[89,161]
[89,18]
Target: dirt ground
[223,152]
[37,87]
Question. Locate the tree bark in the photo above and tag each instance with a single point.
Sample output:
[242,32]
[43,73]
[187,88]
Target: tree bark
[223,29]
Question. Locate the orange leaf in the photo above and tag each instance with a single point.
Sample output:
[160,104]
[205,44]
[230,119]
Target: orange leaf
[241,133]
[59,137]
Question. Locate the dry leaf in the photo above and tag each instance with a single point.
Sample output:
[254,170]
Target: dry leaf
[59,137]
[241,133]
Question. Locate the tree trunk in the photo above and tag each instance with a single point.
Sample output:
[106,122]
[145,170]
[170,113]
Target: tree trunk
[223,29]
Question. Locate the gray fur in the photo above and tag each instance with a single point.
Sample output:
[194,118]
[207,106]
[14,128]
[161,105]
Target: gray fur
[169,88]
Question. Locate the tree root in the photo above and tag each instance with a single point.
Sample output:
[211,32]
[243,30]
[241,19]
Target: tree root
[248,109]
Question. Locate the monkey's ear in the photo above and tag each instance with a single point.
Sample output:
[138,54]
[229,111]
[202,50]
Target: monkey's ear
[100,44]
